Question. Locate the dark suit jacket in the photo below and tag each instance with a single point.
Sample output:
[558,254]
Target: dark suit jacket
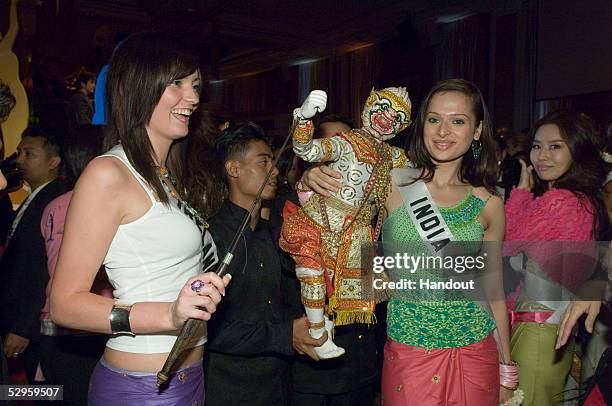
[6,216]
[79,110]
[511,174]
[23,270]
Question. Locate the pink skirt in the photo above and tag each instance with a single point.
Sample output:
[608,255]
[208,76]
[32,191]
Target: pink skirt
[441,377]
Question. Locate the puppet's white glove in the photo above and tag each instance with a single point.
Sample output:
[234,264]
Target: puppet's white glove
[314,103]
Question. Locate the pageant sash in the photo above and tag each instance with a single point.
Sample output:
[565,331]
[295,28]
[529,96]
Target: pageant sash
[423,211]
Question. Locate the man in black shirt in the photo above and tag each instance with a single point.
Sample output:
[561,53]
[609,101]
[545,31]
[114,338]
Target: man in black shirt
[253,335]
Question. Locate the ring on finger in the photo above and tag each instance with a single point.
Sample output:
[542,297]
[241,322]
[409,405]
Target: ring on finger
[197,285]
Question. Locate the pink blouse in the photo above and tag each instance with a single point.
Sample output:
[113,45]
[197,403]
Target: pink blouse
[557,215]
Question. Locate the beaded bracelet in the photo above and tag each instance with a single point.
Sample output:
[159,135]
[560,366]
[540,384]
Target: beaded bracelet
[299,187]
[315,326]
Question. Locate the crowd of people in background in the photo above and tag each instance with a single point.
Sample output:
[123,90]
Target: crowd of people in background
[147,187]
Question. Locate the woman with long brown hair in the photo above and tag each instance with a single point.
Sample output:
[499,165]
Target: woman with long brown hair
[443,352]
[127,214]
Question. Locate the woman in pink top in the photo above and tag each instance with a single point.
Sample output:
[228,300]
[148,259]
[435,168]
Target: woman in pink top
[561,201]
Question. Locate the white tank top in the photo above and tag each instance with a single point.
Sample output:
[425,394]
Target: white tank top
[150,259]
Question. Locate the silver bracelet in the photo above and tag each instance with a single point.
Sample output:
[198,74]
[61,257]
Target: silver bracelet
[120,319]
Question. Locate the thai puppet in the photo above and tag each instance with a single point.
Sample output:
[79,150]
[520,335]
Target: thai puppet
[326,234]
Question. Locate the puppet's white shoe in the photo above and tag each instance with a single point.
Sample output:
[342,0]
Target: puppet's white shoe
[329,349]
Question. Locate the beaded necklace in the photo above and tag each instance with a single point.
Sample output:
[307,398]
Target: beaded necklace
[170,183]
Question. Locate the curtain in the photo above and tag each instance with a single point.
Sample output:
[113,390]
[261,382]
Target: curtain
[347,79]
[525,74]
[354,74]
[305,84]
[543,107]
[463,50]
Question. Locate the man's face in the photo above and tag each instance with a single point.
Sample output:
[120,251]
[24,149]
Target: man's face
[90,86]
[252,170]
[332,128]
[34,162]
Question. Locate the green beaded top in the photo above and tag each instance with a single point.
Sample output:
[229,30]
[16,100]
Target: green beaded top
[434,319]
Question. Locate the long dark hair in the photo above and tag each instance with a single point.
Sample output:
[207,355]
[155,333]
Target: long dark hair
[203,186]
[481,172]
[587,173]
[216,115]
[284,165]
[139,71]
[80,146]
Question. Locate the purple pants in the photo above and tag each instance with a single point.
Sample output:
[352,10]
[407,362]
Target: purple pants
[110,386]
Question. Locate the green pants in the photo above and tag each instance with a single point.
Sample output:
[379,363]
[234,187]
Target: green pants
[542,369]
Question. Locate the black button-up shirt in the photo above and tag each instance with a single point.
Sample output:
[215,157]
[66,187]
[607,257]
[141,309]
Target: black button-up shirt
[250,337]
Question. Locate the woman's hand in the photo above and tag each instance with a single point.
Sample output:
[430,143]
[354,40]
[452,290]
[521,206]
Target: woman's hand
[198,299]
[303,342]
[526,180]
[570,317]
[322,179]
[505,394]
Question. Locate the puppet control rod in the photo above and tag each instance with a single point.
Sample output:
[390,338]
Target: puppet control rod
[191,325]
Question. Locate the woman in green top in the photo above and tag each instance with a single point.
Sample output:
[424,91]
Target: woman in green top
[443,352]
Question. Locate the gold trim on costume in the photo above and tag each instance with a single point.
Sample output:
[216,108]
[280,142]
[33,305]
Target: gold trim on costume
[363,148]
[398,103]
[314,279]
[402,160]
[328,149]
[371,98]
[315,304]
[303,133]
[315,326]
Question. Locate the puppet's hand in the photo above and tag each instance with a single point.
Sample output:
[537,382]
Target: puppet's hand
[314,103]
